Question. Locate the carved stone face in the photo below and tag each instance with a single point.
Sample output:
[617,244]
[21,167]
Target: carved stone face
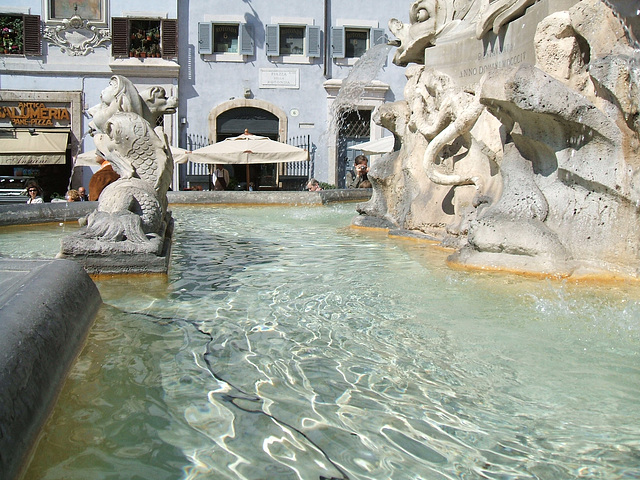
[426,18]
[106,108]
[158,103]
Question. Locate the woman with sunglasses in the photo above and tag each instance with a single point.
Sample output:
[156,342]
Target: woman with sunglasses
[34,192]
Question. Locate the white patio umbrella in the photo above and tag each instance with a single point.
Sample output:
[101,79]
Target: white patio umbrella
[248,149]
[88,159]
[375,147]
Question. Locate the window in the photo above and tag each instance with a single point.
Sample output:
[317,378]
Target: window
[352,42]
[144,38]
[289,40]
[356,42]
[21,35]
[92,10]
[224,38]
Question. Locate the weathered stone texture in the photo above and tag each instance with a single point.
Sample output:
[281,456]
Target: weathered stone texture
[534,165]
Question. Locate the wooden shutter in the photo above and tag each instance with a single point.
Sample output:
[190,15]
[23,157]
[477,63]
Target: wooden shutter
[205,38]
[32,35]
[337,42]
[313,41]
[120,37]
[273,40]
[169,32]
[378,36]
[245,39]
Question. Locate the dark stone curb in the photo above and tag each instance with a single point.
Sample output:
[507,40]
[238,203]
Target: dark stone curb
[46,309]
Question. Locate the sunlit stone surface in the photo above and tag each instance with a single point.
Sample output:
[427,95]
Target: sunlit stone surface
[130,230]
[519,137]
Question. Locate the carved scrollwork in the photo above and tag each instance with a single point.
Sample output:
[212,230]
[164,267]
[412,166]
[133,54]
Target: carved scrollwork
[76,36]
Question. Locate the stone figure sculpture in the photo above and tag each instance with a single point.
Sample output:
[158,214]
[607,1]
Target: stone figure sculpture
[132,220]
[528,159]
[431,21]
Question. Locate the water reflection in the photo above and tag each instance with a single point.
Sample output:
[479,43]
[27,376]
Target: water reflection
[285,345]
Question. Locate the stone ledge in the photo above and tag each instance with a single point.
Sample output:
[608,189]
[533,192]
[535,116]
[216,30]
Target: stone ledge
[270,198]
[44,212]
[46,310]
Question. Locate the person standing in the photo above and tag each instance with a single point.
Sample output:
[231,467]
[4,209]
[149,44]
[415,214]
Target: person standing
[219,177]
[83,194]
[103,177]
[359,173]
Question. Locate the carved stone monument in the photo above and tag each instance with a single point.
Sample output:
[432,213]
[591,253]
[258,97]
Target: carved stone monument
[130,231]
[518,136]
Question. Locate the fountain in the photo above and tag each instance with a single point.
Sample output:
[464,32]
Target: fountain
[312,350]
[284,344]
[522,152]
[130,231]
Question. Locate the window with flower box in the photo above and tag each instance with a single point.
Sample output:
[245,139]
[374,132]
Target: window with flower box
[144,38]
[21,35]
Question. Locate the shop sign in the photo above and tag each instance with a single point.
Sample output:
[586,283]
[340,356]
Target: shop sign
[34,114]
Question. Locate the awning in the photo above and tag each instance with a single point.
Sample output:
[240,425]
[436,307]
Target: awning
[40,147]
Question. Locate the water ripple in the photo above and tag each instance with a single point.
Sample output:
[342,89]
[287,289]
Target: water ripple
[285,346]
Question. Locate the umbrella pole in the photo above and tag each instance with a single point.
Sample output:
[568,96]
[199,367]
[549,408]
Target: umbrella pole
[248,176]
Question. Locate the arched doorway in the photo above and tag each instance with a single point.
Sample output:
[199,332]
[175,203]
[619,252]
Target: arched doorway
[233,122]
[232,118]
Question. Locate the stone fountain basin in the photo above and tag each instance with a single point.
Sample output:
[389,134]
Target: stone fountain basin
[46,310]
[48,306]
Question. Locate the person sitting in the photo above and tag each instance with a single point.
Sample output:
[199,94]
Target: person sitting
[103,177]
[359,172]
[83,194]
[313,185]
[34,191]
[73,196]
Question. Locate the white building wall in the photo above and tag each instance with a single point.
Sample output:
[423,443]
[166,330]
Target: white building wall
[202,82]
[207,81]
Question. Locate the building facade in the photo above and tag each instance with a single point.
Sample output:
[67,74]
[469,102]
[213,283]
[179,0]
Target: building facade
[234,66]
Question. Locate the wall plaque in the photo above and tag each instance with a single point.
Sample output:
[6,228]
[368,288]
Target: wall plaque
[279,78]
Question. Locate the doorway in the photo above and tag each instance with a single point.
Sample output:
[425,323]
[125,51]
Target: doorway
[355,128]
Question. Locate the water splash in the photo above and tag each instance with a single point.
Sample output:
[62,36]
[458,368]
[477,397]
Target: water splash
[362,74]
[625,25]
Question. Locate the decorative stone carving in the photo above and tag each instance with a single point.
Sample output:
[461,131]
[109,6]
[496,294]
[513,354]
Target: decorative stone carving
[130,230]
[533,163]
[432,21]
[76,36]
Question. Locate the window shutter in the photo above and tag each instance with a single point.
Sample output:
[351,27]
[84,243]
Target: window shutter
[31,34]
[378,36]
[313,41]
[337,42]
[169,32]
[119,37]
[245,41]
[273,40]
[205,38]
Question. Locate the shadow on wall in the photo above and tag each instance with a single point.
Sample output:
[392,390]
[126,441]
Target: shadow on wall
[253,19]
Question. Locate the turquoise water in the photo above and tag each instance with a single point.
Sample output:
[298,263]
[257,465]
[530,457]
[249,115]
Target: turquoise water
[286,345]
